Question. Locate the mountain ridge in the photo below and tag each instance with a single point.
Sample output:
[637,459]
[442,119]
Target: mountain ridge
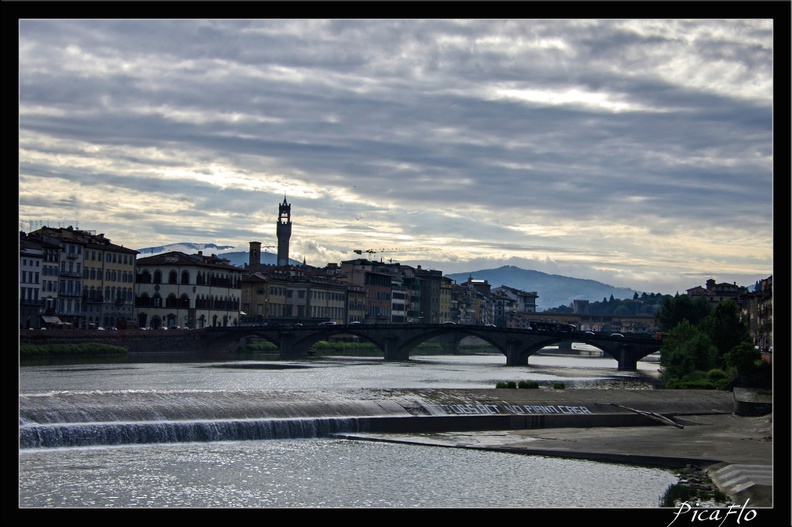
[553,290]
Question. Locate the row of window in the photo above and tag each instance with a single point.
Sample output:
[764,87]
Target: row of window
[379,295]
[111,294]
[334,313]
[69,306]
[70,287]
[29,294]
[92,255]
[379,311]
[29,277]
[201,278]
[201,302]
[110,275]
[110,257]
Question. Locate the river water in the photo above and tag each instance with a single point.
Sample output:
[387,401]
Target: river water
[310,472]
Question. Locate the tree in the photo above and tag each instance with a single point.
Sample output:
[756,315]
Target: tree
[675,309]
[649,309]
[725,328]
[743,358]
[621,311]
[685,350]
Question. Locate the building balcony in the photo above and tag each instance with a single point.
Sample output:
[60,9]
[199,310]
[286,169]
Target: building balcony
[64,294]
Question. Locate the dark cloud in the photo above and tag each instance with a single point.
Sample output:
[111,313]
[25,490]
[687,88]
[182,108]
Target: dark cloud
[539,140]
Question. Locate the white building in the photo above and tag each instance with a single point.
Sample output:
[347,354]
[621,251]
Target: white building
[31,258]
[190,291]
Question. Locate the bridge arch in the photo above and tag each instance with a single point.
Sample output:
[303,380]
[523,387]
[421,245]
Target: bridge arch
[397,341]
[303,344]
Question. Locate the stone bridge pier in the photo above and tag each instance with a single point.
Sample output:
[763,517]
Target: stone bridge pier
[393,352]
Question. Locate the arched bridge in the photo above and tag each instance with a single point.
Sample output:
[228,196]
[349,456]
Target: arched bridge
[397,341]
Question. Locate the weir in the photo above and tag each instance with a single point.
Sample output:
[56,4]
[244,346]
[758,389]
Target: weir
[72,419]
[106,434]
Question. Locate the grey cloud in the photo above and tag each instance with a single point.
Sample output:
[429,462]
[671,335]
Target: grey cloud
[400,113]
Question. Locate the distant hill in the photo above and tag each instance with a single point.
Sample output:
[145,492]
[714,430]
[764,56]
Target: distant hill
[232,253]
[553,290]
[186,248]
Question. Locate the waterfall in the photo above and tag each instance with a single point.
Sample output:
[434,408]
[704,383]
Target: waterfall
[124,433]
[93,418]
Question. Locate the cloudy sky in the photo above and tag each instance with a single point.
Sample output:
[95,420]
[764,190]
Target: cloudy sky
[633,152]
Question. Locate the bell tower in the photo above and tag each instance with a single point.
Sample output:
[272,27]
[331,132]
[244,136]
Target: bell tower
[254,258]
[284,232]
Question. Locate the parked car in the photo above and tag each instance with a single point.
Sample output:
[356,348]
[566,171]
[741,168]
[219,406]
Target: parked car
[327,323]
[355,323]
[616,335]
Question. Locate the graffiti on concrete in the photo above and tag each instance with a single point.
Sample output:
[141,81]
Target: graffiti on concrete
[478,408]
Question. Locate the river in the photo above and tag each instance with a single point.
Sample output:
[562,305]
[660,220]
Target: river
[315,472]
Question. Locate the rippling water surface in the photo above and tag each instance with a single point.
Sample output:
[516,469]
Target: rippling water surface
[323,472]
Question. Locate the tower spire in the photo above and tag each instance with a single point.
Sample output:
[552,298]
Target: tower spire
[283,230]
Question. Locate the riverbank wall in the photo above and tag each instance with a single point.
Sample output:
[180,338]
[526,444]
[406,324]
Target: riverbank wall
[134,340]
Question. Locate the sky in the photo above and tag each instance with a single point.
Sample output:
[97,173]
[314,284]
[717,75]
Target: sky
[634,152]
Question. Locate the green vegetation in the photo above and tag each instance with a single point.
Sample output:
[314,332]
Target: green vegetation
[643,304]
[679,493]
[695,487]
[86,349]
[559,385]
[707,348]
[698,380]
[506,384]
[674,310]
